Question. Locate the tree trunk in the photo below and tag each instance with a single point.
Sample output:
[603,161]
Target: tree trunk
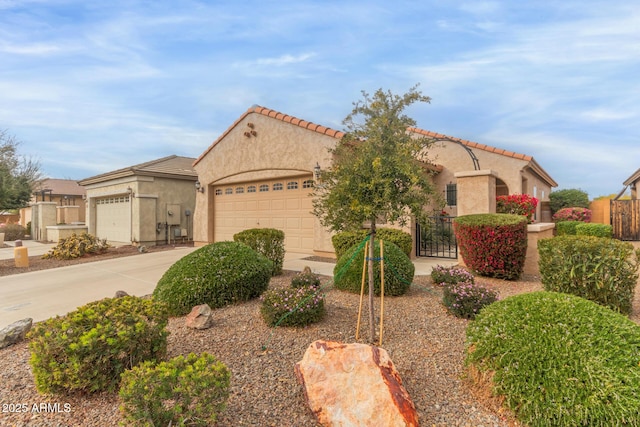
[372,254]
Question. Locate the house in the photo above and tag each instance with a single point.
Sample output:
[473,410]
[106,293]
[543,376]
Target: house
[67,195]
[261,170]
[632,183]
[148,203]
[625,213]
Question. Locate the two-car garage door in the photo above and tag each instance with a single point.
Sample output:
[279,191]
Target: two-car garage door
[284,204]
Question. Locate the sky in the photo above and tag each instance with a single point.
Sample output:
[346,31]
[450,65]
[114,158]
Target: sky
[93,86]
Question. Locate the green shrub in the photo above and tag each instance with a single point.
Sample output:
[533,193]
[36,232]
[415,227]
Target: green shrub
[559,360]
[567,198]
[76,246]
[88,349]
[567,228]
[493,245]
[450,275]
[599,269]
[343,241]
[398,270]
[13,232]
[593,229]
[305,278]
[292,306]
[266,241]
[183,391]
[218,274]
[466,299]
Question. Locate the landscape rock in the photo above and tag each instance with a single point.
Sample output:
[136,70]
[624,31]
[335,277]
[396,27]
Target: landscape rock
[354,385]
[120,294]
[201,317]
[15,332]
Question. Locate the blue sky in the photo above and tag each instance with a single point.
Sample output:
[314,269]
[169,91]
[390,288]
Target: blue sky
[92,86]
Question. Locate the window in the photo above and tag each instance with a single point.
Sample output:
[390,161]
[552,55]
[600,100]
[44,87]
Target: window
[218,192]
[263,188]
[277,186]
[228,191]
[251,189]
[452,194]
[239,190]
[292,185]
[307,184]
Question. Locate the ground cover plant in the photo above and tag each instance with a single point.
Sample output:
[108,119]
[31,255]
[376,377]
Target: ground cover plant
[217,274]
[449,275]
[184,391]
[558,360]
[298,306]
[599,269]
[465,299]
[88,349]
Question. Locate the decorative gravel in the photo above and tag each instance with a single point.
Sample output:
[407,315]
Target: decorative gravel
[426,344]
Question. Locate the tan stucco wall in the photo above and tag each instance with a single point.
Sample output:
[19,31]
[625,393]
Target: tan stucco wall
[601,211]
[57,232]
[536,232]
[278,149]
[151,195]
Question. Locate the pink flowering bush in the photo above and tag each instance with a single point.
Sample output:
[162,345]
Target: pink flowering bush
[292,306]
[572,214]
[442,276]
[466,299]
[517,204]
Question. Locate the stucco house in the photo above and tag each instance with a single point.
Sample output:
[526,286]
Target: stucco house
[261,170]
[67,195]
[148,203]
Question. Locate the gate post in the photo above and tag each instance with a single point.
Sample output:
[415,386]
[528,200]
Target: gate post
[476,192]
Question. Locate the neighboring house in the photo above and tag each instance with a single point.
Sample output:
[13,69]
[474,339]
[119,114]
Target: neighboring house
[625,214]
[148,203]
[65,193]
[632,183]
[261,170]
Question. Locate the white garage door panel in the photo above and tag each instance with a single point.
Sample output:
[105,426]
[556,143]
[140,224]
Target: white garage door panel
[113,219]
[287,209]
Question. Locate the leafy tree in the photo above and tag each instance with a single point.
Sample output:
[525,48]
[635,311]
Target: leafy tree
[568,198]
[379,173]
[18,174]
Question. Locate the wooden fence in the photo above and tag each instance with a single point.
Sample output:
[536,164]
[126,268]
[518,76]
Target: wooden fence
[625,219]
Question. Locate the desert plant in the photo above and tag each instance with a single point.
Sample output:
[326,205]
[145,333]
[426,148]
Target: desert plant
[305,278]
[218,274]
[517,204]
[345,240]
[558,360]
[88,349]
[185,391]
[292,306]
[599,269]
[76,246]
[592,229]
[266,241]
[398,272]
[12,231]
[466,299]
[493,245]
[441,275]
[572,214]
[567,198]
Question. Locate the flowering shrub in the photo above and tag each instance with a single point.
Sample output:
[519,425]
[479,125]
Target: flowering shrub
[305,278]
[493,245]
[450,275]
[572,214]
[292,307]
[466,299]
[517,204]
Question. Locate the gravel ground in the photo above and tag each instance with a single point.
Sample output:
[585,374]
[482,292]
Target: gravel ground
[425,343]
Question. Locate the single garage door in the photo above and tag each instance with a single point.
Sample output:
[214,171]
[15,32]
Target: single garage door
[113,219]
[283,204]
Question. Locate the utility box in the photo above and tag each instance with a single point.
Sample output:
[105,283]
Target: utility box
[174,215]
[21,256]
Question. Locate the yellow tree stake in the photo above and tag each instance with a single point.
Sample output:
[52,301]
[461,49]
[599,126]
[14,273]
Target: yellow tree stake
[381,288]
[364,271]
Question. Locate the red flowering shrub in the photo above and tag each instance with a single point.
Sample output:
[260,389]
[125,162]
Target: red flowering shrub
[493,245]
[572,214]
[517,204]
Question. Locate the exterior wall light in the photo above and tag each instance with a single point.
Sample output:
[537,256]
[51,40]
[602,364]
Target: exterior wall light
[199,187]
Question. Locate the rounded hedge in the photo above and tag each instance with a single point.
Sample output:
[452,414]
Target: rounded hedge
[344,240]
[398,270]
[266,241]
[559,360]
[218,274]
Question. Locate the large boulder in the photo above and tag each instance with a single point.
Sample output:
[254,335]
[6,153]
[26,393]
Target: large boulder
[15,332]
[354,385]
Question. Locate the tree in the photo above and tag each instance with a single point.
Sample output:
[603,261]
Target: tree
[18,174]
[568,198]
[379,172]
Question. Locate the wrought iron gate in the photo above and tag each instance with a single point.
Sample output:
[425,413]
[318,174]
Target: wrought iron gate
[625,219]
[436,238]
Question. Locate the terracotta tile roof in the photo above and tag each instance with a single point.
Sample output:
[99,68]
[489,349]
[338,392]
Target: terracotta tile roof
[62,187]
[278,116]
[171,166]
